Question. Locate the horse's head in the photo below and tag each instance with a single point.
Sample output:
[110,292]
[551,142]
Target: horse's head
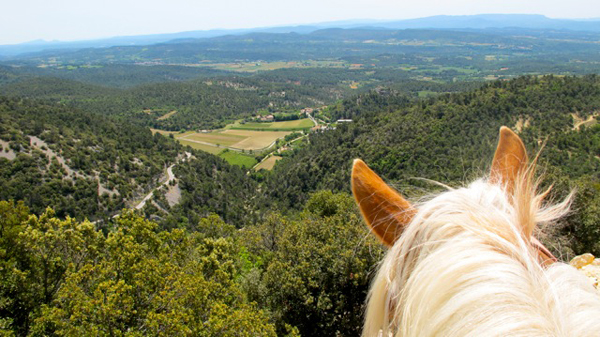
[387,213]
[465,262]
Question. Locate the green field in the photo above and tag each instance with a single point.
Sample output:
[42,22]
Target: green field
[236,158]
[232,157]
[244,139]
[299,124]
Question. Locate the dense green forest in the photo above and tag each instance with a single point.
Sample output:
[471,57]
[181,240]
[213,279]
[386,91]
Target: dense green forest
[450,139]
[88,165]
[198,104]
[301,275]
[223,251]
[399,135]
[80,163]
[214,102]
[110,75]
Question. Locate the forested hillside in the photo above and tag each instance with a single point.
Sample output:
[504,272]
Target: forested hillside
[451,138]
[268,253]
[110,75]
[447,137]
[213,102]
[82,164]
[88,165]
[198,104]
[303,275]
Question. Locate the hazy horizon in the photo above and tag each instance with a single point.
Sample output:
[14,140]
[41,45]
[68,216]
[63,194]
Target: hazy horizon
[290,25]
[71,20]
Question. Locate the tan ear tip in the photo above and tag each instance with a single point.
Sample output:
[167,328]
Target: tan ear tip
[358,164]
[507,132]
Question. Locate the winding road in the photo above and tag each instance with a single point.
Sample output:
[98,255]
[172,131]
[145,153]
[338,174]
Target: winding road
[312,119]
[170,177]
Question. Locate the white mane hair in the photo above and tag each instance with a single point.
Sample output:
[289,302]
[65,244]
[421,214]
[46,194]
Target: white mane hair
[463,267]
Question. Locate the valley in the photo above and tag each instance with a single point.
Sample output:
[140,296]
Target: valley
[201,186]
[240,141]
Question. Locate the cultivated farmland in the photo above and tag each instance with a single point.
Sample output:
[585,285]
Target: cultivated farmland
[198,146]
[268,163]
[230,143]
[255,140]
[236,158]
[215,138]
[235,139]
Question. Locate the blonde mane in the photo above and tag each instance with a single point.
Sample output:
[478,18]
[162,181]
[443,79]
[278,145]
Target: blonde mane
[464,266]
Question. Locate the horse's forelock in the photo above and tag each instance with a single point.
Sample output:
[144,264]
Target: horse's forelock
[470,232]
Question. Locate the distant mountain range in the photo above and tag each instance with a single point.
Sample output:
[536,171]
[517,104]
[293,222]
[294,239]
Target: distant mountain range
[483,21]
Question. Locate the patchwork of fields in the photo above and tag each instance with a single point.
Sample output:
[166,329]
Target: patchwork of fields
[199,146]
[232,142]
[236,139]
[216,138]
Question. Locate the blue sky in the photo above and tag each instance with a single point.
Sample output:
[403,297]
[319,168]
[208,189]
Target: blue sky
[67,20]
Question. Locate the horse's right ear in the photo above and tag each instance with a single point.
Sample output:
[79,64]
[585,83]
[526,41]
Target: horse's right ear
[510,159]
[386,212]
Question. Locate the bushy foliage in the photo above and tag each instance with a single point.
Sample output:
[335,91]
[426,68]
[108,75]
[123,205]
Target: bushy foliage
[306,274]
[62,277]
[301,268]
[63,155]
[314,271]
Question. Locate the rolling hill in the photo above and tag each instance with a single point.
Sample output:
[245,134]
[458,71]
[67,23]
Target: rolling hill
[482,21]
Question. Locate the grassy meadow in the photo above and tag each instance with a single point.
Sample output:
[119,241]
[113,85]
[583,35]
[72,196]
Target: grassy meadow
[236,158]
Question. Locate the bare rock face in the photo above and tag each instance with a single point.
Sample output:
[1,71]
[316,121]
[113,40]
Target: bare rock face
[588,265]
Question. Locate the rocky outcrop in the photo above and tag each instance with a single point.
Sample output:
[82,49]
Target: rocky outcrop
[589,265]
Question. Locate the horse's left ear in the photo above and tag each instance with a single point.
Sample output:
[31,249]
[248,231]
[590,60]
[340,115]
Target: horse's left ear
[386,212]
[510,159]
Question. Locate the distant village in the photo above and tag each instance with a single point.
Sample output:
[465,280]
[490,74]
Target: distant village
[322,123]
[306,112]
[272,118]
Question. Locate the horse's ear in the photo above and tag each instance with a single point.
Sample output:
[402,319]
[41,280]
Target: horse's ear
[386,212]
[510,159]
